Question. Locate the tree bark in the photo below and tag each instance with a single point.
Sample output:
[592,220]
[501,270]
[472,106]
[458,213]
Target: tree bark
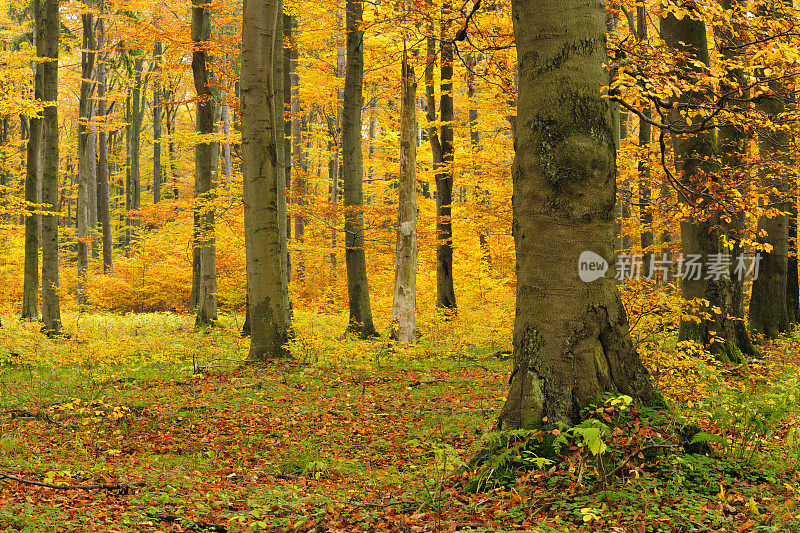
[445,294]
[571,339]
[731,327]
[299,163]
[87,168]
[47,27]
[286,38]
[30,283]
[353,174]
[280,142]
[696,159]
[206,162]
[104,202]
[269,311]
[158,171]
[404,304]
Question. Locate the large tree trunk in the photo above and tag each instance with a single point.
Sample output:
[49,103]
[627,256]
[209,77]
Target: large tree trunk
[445,294]
[571,339]
[104,200]
[30,283]
[353,174]
[404,304]
[87,168]
[206,160]
[269,310]
[158,171]
[47,28]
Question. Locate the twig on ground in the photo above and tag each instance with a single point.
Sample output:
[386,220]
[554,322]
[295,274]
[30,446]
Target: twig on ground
[40,415]
[189,524]
[95,486]
[356,505]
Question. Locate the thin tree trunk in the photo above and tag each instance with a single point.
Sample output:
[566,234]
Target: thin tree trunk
[571,340]
[86,153]
[280,140]
[102,160]
[445,294]
[268,309]
[158,172]
[47,27]
[287,129]
[353,173]
[137,114]
[299,163]
[30,284]
[792,281]
[206,163]
[404,304]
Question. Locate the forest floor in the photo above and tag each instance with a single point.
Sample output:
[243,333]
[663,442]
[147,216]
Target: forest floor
[200,443]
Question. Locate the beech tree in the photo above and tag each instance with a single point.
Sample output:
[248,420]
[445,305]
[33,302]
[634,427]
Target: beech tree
[47,29]
[87,168]
[205,169]
[267,296]
[571,338]
[404,304]
[353,174]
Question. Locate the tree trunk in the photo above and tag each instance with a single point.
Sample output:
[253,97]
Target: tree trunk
[731,327]
[206,162]
[269,313]
[404,304]
[280,141]
[158,172]
[445,294]
[792,282]
[287,129]
[102,159]
[87,168]
[299,163]
[353,174]
[571,340]
[47,28]
[695,160]
[137,114]
[30,283]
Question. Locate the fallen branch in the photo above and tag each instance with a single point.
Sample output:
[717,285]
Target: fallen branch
[189,524]
[356,505]
[103,486]
[41,415]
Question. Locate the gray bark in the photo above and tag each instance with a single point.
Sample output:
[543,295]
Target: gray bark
[205,168]
[268,310]
[87,168]
[571,339]
[353,174]
[47,27]
[404,303]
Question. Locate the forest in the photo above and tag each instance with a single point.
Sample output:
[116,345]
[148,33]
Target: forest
[399,265]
